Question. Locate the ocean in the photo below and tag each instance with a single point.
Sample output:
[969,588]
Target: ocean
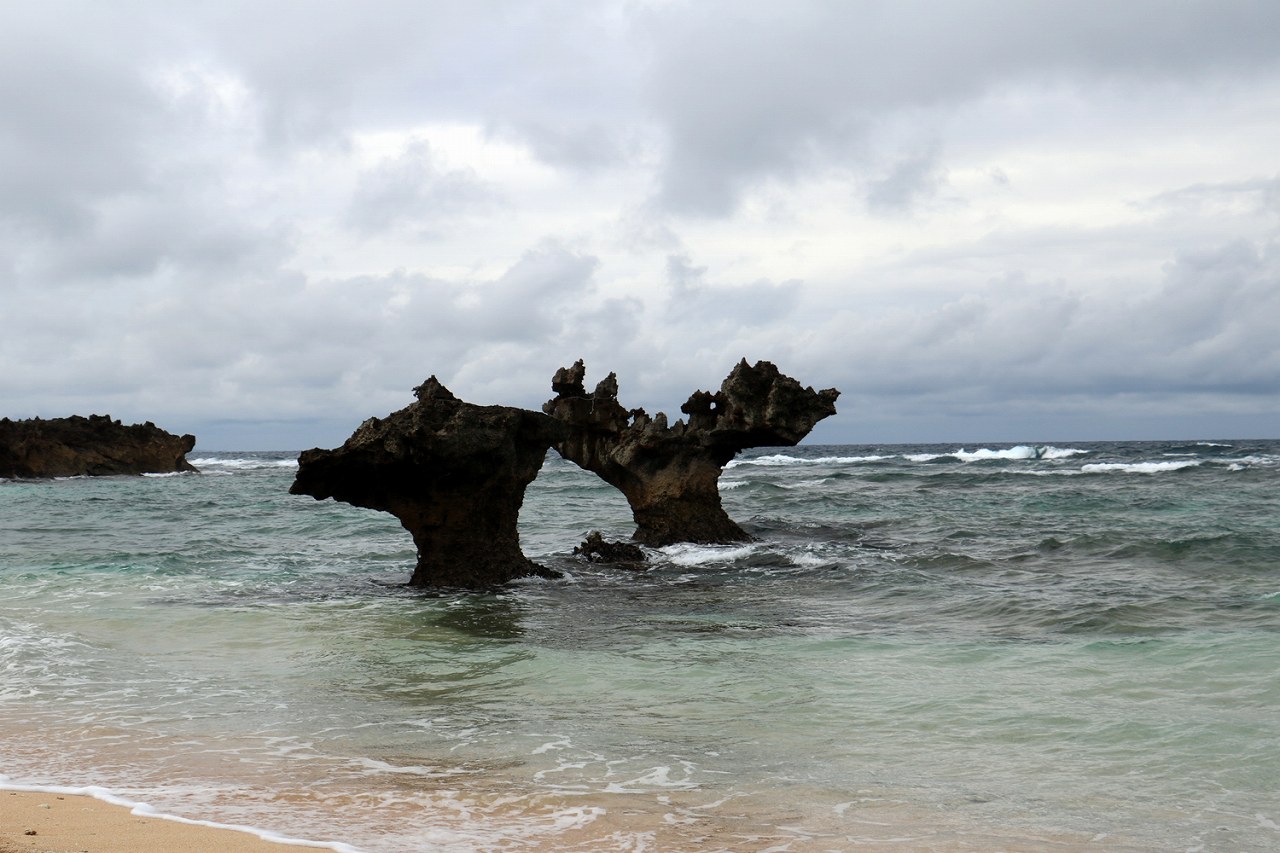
[1063,647]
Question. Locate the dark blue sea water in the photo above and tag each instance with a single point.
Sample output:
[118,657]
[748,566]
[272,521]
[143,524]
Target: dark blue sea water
[1069,647]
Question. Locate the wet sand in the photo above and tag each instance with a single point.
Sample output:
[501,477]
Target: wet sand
[57,823]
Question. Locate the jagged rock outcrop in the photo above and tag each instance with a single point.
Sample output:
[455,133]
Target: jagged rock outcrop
[596,549]
[453,473]
[670,473]
[92,446]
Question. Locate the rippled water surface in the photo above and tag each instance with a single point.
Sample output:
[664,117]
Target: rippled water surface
[1069,647]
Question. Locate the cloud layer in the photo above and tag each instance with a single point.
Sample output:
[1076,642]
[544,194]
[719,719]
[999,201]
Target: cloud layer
[263,223]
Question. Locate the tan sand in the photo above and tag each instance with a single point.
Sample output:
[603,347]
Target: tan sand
[56,823]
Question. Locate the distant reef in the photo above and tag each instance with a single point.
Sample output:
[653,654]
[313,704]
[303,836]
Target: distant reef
[93,446]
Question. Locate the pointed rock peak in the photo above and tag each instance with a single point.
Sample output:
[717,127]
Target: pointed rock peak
[607,388]
[568,381]
[433,390]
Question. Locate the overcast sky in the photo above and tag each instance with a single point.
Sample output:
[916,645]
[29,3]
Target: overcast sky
[263,222]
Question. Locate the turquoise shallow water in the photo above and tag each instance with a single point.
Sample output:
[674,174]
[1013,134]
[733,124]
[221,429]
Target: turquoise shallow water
[1023,648]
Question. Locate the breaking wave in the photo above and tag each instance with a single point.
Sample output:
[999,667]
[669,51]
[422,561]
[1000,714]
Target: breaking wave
[783,459]
[1139,467]
[983,454]
[243,463]
[689,554]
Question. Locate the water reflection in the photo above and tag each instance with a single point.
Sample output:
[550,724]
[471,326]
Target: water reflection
[485,617]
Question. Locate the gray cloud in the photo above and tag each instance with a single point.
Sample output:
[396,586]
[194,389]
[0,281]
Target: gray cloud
[76,121]
[964,215]
[912,179]
[751,92]
[415,191]
[704,309]
[1207,328]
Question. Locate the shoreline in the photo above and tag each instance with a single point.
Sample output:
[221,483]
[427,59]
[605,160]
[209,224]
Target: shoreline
[50,819]
[92,820]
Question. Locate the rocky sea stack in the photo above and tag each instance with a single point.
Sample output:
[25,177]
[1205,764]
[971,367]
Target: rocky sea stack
[669,473]
[453,473]
[93,446]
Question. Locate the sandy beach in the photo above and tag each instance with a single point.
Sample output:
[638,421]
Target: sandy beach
[56,823]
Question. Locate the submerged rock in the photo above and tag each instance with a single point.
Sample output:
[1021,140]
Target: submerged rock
[596,549]
[670,473]
[93,446]
[452,472]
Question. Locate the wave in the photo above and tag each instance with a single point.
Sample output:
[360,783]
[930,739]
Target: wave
[25,656]
[984,454]
[783,459]
[1242,464]
[690,554]
[1251,461]
[1198,448]
[1139,467]
[242,462]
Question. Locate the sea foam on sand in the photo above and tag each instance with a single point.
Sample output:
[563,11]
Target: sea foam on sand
[94,819]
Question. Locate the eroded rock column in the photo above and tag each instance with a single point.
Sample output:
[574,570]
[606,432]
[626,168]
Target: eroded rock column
[670,473]
[453,473]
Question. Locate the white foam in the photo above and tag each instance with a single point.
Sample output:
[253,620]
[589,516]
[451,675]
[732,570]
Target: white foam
[1051,452]
[1139,467]
[732,484]
[374,766]
[242,463]
[29,658]
[563,743]
[1021,451]
[655,777]
[145,810]
[689,554]
[783,459]
[575,817]
[1245,461]
[983,454]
